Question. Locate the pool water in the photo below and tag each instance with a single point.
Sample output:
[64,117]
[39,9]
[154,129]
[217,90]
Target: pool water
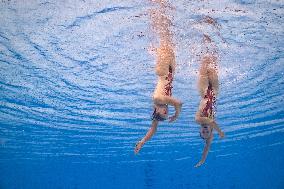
[76,84]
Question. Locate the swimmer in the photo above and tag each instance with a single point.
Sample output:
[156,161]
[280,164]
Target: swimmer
[162,96]
[165,69]
[208,85]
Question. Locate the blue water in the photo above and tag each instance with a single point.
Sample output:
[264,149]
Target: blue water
[76,79]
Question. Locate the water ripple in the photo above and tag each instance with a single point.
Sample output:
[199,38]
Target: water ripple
[81,19]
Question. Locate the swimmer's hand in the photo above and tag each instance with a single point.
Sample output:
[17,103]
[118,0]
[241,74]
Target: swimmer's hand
[178,110]
[221,134]
[173,118]
[138,147]
[199,163]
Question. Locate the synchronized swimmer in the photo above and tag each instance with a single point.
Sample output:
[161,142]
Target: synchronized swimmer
[165,70]
[208,85]
[162,96]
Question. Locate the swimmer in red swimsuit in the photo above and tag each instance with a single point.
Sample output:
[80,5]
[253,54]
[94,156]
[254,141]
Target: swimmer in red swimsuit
[208,85]
[162,96]
[165,69]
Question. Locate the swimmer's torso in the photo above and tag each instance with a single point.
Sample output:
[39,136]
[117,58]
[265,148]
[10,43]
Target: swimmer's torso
[203,112]
[207,104]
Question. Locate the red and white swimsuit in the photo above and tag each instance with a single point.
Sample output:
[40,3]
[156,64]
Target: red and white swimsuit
[209,106]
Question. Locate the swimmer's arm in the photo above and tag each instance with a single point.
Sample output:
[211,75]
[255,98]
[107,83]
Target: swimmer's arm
[171,101]
[217,128]
[151,131]
[205,150]
[147,137]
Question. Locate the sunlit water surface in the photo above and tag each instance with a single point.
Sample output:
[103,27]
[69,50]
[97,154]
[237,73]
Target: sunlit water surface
[76,79]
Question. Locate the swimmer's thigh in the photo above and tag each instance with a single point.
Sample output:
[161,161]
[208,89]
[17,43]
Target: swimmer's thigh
[203,84]
[162,69]
[213,79]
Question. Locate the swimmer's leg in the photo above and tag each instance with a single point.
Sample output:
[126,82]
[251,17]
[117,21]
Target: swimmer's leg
[165,59]
[213,79]
[203,83]
[173,64]
[203,80]
[147,137]
[162,69]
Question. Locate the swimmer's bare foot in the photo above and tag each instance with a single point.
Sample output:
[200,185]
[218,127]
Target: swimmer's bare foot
[138,146]
[178,110]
